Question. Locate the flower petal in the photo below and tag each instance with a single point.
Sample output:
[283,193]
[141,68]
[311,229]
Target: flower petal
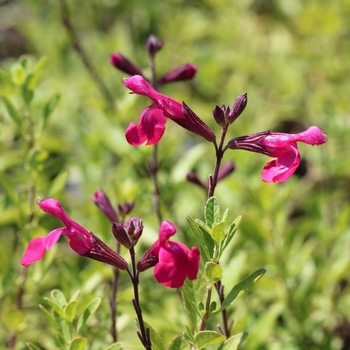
[37,247]
[151,127]
[169,275]
[282,168]
[167,229]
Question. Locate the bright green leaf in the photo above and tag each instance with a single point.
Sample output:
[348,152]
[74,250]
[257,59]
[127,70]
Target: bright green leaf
[114,346]
[240,288]
[218,232]
[157,341]
[11,110]
[233,342]
[200,237]
[48,108]
[70,310]
[88,312]
[18,73]
[189,300]
[178,343]
[32,346]
[58,185]
[205,338]
[78,343]
[49,318]
[212,211]
[58,297]
[213,272]
[231,232]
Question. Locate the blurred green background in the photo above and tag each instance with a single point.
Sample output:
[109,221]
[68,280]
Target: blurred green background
[291,57]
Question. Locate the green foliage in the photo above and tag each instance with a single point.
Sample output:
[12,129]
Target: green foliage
[292,59]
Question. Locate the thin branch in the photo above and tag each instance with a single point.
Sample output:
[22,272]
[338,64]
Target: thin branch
[84,56]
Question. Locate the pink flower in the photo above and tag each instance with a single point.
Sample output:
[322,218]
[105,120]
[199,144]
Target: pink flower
[173,261]
[81,240]
[124,64]
[152,120]
[281,146]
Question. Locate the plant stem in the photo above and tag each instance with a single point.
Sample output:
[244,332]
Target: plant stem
[143,332]
[113,300]
[84,56]
[153,167]
[213,181]
[207,308]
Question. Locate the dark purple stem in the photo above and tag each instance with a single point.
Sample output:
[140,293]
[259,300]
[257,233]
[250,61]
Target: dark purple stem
[143,332]
[213,181]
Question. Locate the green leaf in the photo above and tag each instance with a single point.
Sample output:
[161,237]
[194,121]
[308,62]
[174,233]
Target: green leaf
[231,232]
[213,272]
[55,307]
[88,312]
[200,237]
[240,288]
[205,338]
[157,341]
[212,211]
[75,296]
[11,110]
[218,232]
[27,91]
[18,73]
[233,342]
[71,310]
[190,300]
[178,343]
[58,185]
[48,108]
[78,343]
[32,346]
[114,346]
[37,71]
[64,331]
[58,297]
[36,159]
[50,318]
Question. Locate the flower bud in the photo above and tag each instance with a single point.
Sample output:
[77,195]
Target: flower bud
[196,125]
[126,207]
[102,201]
[237,108]
[121,235]
[123,64]
[226,169]
[101,252]
[134,228]
[193,178]
[147,261]
[153,45]
[185,72]
[219,115]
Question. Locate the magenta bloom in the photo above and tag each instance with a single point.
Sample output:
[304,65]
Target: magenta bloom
[281,146]
[173,261]
[152,120]
[81,240]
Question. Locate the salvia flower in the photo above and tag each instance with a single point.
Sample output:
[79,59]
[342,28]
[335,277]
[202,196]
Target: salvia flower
[173,261]
[81,240]
[124,64]
[184,72]
[281,146]
[152,120]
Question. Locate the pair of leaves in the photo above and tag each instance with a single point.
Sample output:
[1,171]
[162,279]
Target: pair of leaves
[211,234]
[63,314]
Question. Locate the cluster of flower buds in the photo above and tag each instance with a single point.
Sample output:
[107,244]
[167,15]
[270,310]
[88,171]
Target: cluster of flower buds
[185,71]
